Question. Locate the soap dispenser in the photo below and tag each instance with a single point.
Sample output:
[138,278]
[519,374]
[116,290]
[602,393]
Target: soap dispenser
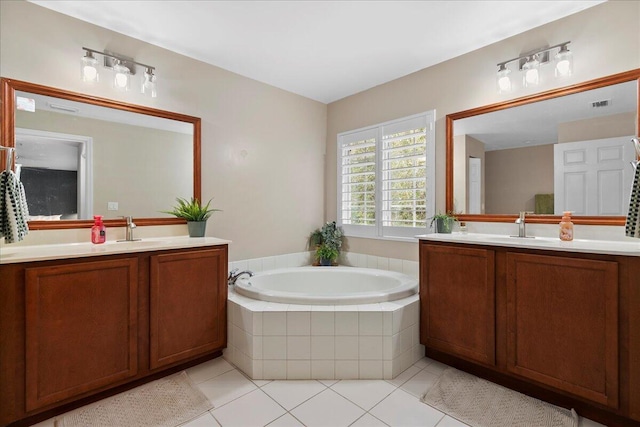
[98,231]
[566,227]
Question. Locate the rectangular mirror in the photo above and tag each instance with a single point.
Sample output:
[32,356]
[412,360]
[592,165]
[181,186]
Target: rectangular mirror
[564,150]
[80,156]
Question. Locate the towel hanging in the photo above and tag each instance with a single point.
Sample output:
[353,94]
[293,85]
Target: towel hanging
[632,225]
[14,212]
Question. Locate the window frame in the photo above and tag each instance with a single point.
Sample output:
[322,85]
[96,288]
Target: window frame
[379,230]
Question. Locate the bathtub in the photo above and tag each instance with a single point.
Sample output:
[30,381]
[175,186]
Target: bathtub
[327,286]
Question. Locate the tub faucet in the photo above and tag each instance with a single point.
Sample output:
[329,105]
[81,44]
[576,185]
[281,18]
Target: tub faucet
[129,230]
[234,275]
[522,224]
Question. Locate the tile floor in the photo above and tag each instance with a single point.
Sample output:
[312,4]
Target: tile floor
[239,401]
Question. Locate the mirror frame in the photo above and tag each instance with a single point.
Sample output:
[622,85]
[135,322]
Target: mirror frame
[550,94]
[8,88]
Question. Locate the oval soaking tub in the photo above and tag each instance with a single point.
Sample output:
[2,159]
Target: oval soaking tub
[327,285]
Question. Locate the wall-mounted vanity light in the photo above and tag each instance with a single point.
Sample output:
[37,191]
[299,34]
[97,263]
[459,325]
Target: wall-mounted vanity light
[123,69]
[529,65]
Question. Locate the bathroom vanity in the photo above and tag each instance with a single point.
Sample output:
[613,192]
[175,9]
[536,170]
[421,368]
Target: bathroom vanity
[79,321]
[556,320]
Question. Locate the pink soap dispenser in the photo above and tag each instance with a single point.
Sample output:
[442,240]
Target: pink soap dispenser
[98,231]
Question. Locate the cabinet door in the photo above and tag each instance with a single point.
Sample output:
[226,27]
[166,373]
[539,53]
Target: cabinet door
[188,305]
[457,297]
[81,328]
[562,323]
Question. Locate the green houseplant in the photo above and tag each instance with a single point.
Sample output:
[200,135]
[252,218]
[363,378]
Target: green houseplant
[194,213]
[327,241]
[444,222]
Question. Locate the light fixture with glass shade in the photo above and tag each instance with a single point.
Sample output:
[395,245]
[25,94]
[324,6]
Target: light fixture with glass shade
[89,68]
[531,71]
[121,76]
[503,79]
[530,65]
[149,83]
[564,62]
[123,69]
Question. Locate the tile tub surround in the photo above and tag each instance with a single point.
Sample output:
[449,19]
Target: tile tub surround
[289,341]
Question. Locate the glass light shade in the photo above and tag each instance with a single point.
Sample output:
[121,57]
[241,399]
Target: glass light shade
[531,72]
[149,83]
[564,62]
[121,77]
[503,80]
[89,69]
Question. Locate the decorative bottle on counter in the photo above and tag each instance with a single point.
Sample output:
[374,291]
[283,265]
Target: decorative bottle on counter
[98,231]
[566,227]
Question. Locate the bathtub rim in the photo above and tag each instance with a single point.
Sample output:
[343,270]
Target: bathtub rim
[408,286]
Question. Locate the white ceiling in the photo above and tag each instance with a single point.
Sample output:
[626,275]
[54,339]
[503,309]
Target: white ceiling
[324,50]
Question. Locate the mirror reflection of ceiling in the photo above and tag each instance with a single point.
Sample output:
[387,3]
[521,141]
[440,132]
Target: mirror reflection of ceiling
[81,109]
[60,153]
[537,123]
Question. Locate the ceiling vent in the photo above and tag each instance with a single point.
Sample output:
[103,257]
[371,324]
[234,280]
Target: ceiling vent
[601,104]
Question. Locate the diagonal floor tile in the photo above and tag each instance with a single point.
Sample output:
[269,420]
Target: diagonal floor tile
[207,370]
[368,420]
[226,387]
[420,383]
[252,409]
[364,393]
[327,409]
[290,394]
[403,409]
[205,420]
[287,420]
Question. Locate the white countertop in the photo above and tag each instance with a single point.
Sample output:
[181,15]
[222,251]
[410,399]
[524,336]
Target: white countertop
[629,247]
[12,255]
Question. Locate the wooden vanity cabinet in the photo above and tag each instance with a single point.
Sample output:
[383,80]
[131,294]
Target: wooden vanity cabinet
[81,328]
[75,328]
[562,326]
[187,314]
[458,314]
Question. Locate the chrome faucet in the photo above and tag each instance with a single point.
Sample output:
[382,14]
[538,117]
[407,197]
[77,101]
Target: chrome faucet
[522,224]
[235,274]
[129,230]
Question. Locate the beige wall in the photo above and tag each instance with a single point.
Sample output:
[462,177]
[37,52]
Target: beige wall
[515,176]
[262,147]
[464,147]
[468,81]
[598,128]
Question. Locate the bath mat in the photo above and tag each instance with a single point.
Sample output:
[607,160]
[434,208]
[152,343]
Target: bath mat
[167,402]
[481,403]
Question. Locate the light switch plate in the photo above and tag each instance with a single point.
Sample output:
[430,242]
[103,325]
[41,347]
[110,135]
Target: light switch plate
[112,206]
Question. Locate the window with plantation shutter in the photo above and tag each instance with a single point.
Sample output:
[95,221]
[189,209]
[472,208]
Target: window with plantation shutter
[386,178]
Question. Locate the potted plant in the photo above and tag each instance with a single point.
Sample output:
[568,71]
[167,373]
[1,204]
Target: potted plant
[326,255]
[195,213]
[327,241]
[444,222]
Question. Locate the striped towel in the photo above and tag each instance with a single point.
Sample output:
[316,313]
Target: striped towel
[632,227]
[14,212]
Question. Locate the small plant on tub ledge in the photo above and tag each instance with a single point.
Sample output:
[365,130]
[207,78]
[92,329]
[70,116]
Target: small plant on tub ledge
[444,222]
[194,213]
[327,241]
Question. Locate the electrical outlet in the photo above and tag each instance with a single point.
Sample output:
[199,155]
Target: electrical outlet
[112,206]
